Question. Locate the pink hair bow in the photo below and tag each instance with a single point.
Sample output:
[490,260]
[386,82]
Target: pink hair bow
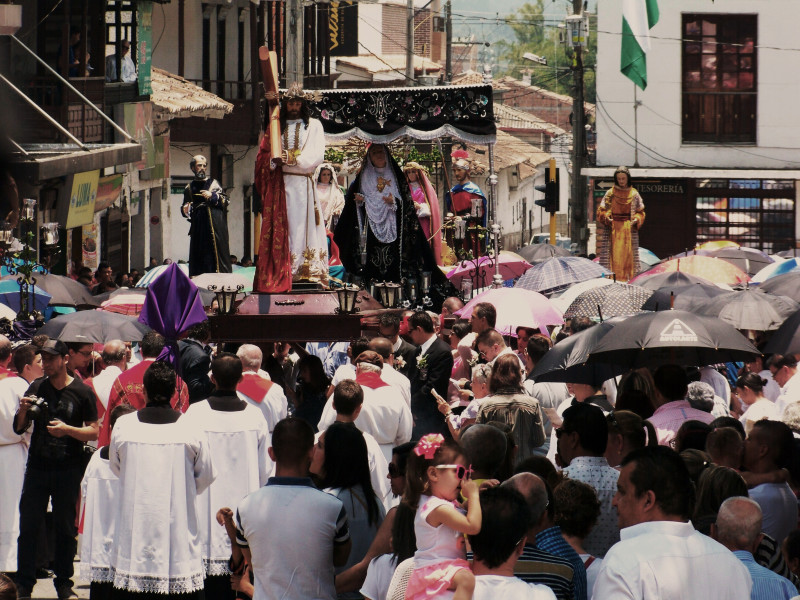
[428,445]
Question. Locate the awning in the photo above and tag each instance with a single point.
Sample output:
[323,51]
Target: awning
[422,113]
[47,161]
[174,97]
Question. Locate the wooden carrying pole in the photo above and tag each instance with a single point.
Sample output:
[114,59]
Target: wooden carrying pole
[269,76]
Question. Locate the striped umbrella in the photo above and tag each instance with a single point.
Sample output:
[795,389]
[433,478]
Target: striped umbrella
[129,303]
[558,273]
[150,275]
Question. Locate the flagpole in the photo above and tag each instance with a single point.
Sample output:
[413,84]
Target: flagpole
[635,127]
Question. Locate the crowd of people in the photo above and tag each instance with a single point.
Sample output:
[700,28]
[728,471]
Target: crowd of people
[424,462]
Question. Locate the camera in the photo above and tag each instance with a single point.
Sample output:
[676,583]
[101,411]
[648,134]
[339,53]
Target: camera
[39,410]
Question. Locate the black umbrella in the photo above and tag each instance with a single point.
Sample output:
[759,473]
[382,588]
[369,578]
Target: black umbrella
[63,290]
[615,300]
[786,340]
[566,361]
[786,284]
[750,309]
[686,297]
[671,336]
[673,278]
[534,253]
[94,327]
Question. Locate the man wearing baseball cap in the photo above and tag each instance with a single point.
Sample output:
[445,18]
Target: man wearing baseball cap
[63,421]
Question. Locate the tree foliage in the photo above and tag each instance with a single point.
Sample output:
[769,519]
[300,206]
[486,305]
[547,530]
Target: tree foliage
[539,34]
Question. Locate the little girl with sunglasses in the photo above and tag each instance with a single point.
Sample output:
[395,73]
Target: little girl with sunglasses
[434,475]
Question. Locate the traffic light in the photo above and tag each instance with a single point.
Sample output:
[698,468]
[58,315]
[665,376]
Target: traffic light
[550,189]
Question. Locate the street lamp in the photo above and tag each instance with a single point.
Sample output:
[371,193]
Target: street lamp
[226,298]
[347,296]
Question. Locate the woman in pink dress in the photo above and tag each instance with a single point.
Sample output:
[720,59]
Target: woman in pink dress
[427,205]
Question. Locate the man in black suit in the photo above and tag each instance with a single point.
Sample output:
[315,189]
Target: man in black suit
[434,365]
[196,362]
[389,327]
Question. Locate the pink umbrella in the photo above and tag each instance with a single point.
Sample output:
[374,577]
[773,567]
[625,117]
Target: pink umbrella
[516,308]
[125,304]
[481,271]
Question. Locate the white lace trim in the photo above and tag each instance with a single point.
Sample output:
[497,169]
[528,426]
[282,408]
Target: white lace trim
[216,566]
[99,574]
[151,584]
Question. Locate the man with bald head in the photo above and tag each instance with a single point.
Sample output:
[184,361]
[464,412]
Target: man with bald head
[537,565]
[384,414]
[394,378]
[205,205]
[738,528]
[257,389]
[115,358]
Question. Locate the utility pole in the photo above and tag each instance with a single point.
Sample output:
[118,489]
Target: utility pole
[448,34]
[578,223]
[294,42]
[410,43]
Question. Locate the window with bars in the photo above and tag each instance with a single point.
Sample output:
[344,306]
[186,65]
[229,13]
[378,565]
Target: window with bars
[719,58]
[757,213]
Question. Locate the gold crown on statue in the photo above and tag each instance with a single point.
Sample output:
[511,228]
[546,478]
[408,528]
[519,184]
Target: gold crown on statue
[296,92]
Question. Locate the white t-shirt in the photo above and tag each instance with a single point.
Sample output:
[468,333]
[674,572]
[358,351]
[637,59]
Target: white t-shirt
[379,575]
[436,544]
[499,587]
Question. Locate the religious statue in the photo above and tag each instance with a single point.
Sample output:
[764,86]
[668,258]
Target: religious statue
[378,234]
[329,194]
[619,217]
[467,203]
[293,246]
[205,205]
[427,205]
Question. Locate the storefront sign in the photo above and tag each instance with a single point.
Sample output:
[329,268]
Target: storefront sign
[82,198]
[108,189]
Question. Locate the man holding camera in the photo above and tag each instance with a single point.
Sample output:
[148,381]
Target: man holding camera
[64,411]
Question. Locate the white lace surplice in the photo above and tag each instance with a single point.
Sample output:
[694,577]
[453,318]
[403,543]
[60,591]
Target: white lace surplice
[100,498]
[161,469]
[238,441]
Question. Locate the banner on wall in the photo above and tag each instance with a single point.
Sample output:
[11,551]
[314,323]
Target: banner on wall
[137,119]
[343,28]
[108,190]
[82,197]
[144,46]
[160,168]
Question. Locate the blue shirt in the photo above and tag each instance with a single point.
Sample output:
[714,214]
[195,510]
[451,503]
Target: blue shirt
[767,585]
[550,540]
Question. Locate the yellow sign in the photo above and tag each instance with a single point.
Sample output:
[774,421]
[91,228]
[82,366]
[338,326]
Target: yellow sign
[82,198]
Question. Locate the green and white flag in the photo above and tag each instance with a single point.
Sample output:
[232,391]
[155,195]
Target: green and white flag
[638,18]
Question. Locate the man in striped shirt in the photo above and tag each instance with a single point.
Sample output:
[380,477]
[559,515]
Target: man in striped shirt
[738,528]
[536,565]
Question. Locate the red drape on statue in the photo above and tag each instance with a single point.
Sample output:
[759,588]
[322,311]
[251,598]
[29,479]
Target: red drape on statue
[274,265]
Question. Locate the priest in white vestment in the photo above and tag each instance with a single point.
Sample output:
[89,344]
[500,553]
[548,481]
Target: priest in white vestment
[14,451]
[162,463]
[384,414]
[237,437]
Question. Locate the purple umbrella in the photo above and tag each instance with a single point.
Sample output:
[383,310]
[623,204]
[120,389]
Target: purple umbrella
[172,306]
